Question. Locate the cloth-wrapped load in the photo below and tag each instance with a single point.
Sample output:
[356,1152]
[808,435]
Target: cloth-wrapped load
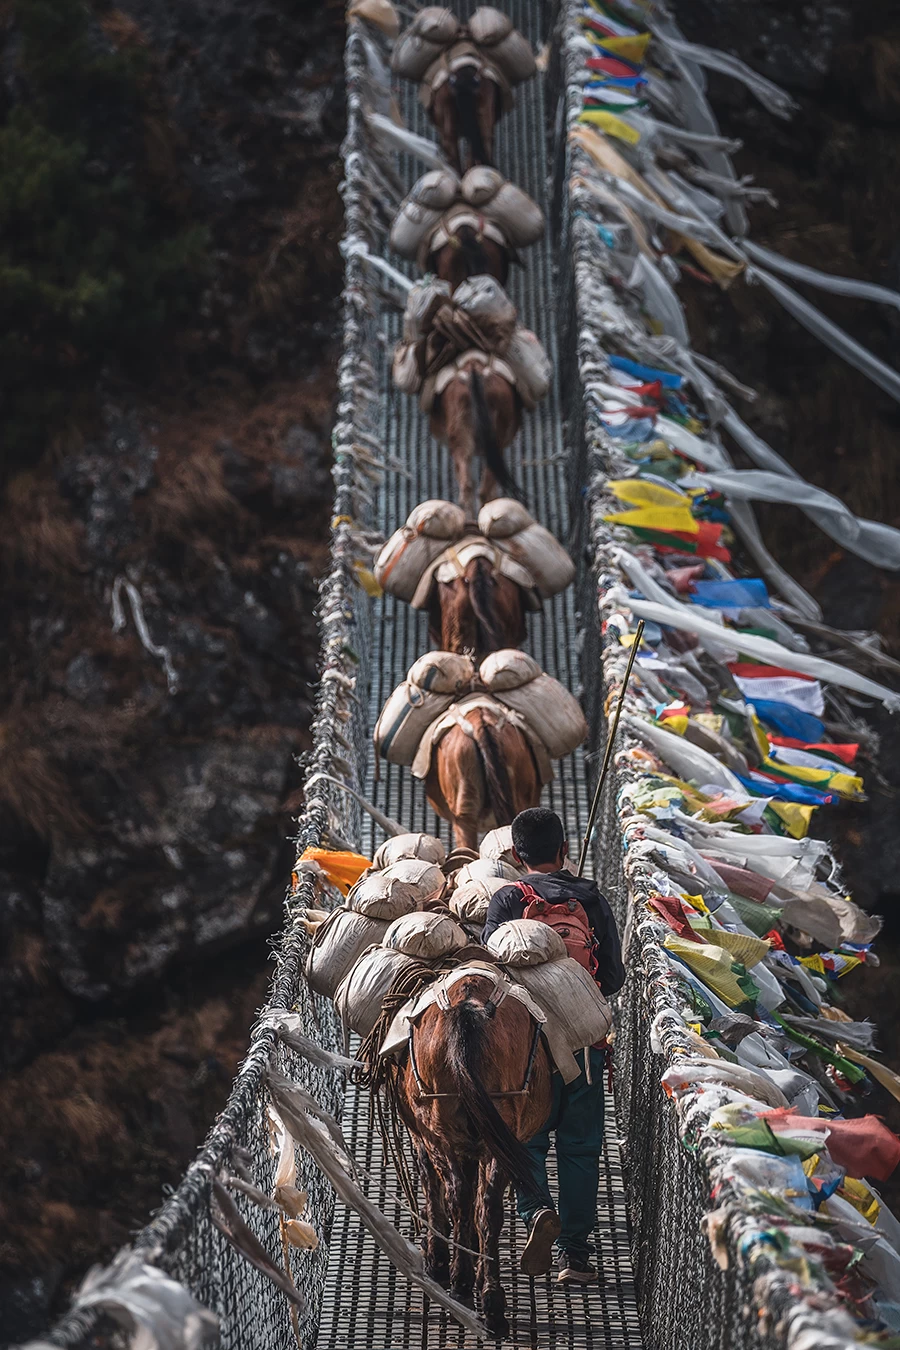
[506,523]
[435,531]
[440,201]
[498,200]
[551,713]
[487,869]
[470,901]
[431,195]
[530,365]
[498,844]
[442,672]
[406,885]
[577,1013]
[485,301]
[427,691]
[508,669]
[338,942]
[433,29]
[493,31]
[425,847]
[428,937]
[526,942]
[405,368]
[416,545]
[404,720]
[422,303]
[478,323]
[359,997]
[409,722]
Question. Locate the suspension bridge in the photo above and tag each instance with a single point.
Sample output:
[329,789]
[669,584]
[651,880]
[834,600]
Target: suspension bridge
[662,1286]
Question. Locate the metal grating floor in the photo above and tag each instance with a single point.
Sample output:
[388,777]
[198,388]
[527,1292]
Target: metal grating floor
[366,1303]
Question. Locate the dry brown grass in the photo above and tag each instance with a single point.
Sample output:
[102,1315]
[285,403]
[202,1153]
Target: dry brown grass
[37,532]
[40,743]
[191,492]
[90,1129]
[35,789]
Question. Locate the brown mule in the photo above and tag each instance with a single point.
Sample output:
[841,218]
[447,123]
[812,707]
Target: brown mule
[480,612]
[476,1091]
[484,779]
[478,414]
[469,253]
[465,110]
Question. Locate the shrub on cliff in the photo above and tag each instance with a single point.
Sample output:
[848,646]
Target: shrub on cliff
[93,258]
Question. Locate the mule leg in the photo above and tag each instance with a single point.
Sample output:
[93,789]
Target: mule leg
[462,1178]
[488,110]
[489,488]
[443,114]
[465,834]
[435,1247]
[489,1219]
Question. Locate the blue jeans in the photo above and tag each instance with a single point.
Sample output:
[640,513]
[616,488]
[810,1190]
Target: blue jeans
[576,1118]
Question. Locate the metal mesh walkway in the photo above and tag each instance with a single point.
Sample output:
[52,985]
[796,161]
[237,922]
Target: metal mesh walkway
[365,1302]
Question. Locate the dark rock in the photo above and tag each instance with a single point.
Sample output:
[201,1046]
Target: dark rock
[85,680]
[192,865]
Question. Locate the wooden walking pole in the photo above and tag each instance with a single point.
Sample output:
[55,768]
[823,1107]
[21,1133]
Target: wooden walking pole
[610,741]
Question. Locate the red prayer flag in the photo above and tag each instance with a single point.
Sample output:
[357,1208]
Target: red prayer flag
[865,1146]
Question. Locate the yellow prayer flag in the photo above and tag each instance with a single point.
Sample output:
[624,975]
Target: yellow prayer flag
[860,1197]
[794,816]
[665,518]
[630,48]
[612,125]
[640,492]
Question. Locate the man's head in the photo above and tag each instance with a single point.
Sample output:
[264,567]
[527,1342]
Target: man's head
[539,840]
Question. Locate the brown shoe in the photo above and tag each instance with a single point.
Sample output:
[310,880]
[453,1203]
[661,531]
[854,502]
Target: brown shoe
[576,1270]
[537,1254]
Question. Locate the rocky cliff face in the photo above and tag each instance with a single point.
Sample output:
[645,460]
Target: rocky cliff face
[160,555]
[160,549]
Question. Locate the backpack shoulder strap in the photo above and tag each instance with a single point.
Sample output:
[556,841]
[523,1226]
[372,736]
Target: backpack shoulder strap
[529,894]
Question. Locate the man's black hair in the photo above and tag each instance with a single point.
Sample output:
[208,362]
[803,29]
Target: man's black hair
[538,835]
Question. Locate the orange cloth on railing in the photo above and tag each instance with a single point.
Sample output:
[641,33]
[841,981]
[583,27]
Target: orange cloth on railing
[342,869]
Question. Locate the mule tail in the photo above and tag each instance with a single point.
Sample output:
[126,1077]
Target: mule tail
[496,776]
[466,83]
[466,1024]
[483,598]
[472,249]
[486,442]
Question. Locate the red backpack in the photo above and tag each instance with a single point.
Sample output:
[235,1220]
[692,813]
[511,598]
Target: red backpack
[569,919]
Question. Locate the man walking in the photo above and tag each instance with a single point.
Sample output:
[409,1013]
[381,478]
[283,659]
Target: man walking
[576,1115]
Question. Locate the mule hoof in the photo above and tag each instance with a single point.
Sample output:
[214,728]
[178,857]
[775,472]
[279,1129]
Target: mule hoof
[493,1306]
[440,1275]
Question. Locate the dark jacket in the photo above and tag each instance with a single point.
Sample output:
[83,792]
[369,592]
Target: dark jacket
[555,887]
